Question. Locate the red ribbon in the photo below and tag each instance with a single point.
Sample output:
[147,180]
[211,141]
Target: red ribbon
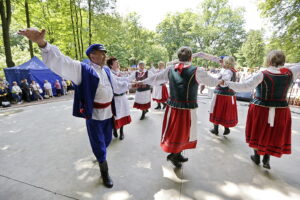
[284,70]
[179,67]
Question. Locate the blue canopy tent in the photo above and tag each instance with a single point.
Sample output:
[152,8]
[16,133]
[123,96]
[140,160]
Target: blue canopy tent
[87,61]
[34,69]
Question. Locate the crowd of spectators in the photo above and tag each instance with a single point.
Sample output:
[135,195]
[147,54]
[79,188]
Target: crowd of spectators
[17,94]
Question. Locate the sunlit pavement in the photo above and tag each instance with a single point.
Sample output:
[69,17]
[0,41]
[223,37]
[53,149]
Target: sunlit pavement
[45,154]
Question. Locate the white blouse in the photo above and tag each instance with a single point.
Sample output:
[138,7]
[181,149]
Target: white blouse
[201,77]
[257,78]
[225,74]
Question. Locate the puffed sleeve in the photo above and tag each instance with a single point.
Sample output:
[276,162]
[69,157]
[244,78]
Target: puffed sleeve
[60,64]
[248,84]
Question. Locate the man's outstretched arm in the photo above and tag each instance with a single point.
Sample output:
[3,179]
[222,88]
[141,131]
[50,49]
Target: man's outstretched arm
[60,64]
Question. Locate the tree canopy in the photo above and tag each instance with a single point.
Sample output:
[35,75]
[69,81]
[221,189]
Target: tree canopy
[285,18]
[214,27]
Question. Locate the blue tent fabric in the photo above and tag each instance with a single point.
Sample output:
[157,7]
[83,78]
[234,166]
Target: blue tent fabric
[34,69]
[87,61]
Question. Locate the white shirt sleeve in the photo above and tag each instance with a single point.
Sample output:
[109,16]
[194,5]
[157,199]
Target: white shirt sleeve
[203,77]
[158,78]
[296,71]
[119,86]
[248,84]
[60,64]
[226,76]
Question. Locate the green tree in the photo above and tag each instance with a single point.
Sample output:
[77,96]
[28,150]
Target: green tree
[219,29]
[176,31]
[253,49]
[285,16]
[5,12]
[240,58]
[216,29]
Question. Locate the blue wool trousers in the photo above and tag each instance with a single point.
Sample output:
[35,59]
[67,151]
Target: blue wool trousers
[100,135]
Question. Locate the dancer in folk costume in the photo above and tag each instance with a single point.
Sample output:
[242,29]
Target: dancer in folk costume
[93,98]
[143,93]
[160,92]
[223,109]
[268,127]
[179,131]
[121,102]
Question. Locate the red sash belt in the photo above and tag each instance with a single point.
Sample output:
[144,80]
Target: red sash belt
[101,105]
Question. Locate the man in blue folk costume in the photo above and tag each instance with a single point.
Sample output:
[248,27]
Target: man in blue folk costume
[93,99]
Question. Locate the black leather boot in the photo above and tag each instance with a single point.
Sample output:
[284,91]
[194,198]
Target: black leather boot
[174,160]
[115,132]
[226,131]
[181,158]
[215,130]
[255,158]
[164,105]
[158,106]
[143,114]
[107,182]
[121,133]
[266,161]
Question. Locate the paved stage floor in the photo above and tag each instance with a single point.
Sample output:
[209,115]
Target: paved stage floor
[45,155]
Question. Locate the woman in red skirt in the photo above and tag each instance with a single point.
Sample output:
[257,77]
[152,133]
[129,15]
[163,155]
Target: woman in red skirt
[223,107]
[160,92]
[268,127]
[179,129]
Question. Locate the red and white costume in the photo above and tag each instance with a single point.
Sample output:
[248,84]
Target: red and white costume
[223,109]
[179,130]
[142,95]
[160,92]
[122,106]
[268,127]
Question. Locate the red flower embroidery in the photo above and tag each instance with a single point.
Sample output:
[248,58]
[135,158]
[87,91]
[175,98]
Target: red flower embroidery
[284,70]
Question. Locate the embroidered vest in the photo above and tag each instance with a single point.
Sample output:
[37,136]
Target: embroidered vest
[272,91]
[183,88]
[139,76]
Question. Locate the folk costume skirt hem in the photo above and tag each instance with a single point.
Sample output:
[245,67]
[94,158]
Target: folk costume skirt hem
[179,131]
[122,122]
[224,111]
[142,106]
[260,135]
[164,95]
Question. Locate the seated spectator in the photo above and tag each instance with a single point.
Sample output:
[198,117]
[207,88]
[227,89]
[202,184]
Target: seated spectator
[64,85]
[3,93]
[16,93]
[25,87]
[58,88]
[36,90]
[48,89]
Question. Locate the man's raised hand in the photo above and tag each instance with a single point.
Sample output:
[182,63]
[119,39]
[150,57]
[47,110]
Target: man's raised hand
[34,35]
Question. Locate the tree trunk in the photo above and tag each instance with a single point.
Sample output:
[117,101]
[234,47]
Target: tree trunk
[77,32]
[5,12]
[28,26]
[81,40]
[73,28]
[90,21]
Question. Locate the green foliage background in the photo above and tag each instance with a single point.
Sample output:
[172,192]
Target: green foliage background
[214,27]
